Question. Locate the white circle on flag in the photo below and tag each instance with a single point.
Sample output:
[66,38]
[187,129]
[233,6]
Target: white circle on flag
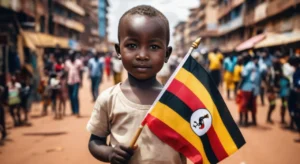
[201,121]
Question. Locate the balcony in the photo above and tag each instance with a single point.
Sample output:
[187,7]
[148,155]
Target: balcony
[256,15]
[231,25]
[209,33]
[94,3]
[278,6]
[71,24]
[249,18]
[72,6]
[94,32]
[224,10]
[200,24]
[200,14]
[203,3]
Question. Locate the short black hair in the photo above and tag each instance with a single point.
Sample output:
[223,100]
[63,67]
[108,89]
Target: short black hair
[149,11]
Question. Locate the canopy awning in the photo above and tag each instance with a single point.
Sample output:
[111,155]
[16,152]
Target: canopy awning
[250,43]
[275,39]
[33,39]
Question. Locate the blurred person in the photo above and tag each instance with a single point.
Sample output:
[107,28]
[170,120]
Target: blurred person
[228,65]
[49,65]
[237,74]
[73,67]
[59,66]
[294,98]
[285,84]
[80,59]
[45,92]
[284,89]
[14,100]
[108,66]
[271,94]
[249,90]
[173,62]
[24,95]
[117,68]
[54,84]
[215,60]
[63,95]
[164,74]
[95,73]
[263,66]
[2,113]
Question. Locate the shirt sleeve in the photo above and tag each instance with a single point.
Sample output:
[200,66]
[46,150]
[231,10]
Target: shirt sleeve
[99,121]
[18,86]
[245,71]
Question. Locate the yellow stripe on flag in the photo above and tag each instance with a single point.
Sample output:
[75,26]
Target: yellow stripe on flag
[178,124]
[190,81]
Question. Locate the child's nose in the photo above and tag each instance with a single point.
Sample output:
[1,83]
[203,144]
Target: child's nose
[142,55]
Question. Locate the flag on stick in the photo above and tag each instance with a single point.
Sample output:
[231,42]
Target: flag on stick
[191,116]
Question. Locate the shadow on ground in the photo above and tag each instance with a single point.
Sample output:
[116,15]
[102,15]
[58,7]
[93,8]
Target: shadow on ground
[46,134]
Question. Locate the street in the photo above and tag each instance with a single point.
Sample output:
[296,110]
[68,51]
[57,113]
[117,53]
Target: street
[50,141]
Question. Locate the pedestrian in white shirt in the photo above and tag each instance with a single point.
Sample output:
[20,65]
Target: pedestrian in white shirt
[117,68]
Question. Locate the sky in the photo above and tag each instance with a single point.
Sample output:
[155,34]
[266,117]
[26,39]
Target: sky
[174,10]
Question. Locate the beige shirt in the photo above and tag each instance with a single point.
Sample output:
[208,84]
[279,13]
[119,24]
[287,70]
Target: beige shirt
[118,117]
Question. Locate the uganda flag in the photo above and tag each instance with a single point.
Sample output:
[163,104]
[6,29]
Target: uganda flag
[191,116]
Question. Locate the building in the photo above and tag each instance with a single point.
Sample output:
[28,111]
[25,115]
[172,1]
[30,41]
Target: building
[179,38]
[207,27]
[275,23]
[31,28]
[238,25]
[66,20]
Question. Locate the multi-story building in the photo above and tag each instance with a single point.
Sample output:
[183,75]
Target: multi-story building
[231,24]
[65,20]
[103,24]
[31,28]
[208,24]
[179,39]
[271,23]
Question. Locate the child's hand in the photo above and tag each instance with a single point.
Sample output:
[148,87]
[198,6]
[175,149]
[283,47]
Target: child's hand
[120,154]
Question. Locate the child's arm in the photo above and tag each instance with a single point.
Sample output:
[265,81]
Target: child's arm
[116,155]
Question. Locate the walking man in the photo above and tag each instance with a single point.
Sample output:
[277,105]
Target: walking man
[96,71]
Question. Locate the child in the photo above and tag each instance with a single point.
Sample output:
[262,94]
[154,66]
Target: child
[143,47]
[62,95]
[55,87]
[45,92]
[25,92]
[237,74]
[14,100]
[272,103]
[284,89]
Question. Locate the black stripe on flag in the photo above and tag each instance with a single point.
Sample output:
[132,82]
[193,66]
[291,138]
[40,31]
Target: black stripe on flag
[192,66]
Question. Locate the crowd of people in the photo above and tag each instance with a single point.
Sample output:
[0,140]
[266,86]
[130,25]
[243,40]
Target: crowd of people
[260,74]
[61,81]
[251,76]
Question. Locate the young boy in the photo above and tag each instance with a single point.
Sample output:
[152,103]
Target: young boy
[143,35]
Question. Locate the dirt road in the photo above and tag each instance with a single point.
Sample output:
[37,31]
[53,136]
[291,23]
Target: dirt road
[49,141]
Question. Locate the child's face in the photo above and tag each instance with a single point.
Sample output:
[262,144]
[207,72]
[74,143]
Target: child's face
[143,45]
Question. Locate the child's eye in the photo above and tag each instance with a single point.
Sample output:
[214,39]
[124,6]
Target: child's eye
[131,46]
[154,47]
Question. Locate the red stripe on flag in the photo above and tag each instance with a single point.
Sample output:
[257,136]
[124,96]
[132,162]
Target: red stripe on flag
[185,94]
[173,139]
[216,144]
[193,102]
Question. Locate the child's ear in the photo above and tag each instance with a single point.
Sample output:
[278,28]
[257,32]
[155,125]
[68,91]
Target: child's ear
[168,53]
[117,48]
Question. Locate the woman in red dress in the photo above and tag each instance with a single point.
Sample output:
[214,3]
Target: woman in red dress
[107,65]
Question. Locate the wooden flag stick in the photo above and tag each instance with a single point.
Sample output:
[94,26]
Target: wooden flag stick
[136,136]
